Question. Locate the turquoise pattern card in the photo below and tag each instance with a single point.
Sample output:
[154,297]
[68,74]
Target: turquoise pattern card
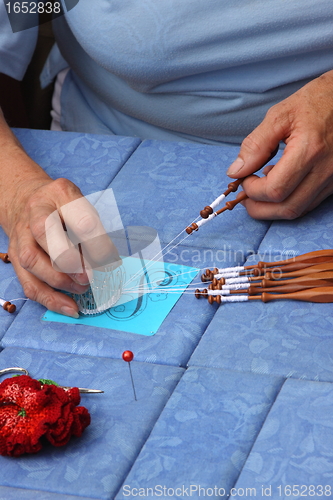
[151,289]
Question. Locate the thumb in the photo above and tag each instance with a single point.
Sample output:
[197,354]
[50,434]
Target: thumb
[258,148]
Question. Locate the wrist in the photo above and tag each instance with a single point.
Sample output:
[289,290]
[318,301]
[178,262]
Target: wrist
[20,176]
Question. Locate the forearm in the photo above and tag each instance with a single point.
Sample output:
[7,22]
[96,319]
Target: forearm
[17,171]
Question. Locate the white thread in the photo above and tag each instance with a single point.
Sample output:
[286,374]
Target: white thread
[236,286]
[158,283]
[240,279]
[235,298]
[218,292]
[217,201]
[2,302]
[158,255]
[201,222]
[105,290]
[227,275]
[231,269]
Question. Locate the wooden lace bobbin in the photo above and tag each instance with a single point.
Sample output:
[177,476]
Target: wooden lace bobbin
[277,272]
[314,279]
[318,295]
[209,209]
[230,205]
[4,257]
[254,290]
[297,266]
[206,293]
[208,212]
[232,187]
[248,271]
[315,257]
[318,279]
[210,275]
[7,306]
[305,260]
[283,286]
[245,281]
[301,272]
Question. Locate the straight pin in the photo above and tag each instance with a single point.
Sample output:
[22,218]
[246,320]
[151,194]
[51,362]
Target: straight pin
[128,357]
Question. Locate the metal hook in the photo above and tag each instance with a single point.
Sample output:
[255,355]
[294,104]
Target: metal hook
[14,369]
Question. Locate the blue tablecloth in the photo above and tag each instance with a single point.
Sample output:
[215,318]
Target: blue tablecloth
[231,398]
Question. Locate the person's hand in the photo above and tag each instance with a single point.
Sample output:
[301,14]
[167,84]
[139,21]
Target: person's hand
[35,226]
[55,235]
[303,177]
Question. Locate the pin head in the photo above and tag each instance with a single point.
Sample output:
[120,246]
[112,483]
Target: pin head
[127,356]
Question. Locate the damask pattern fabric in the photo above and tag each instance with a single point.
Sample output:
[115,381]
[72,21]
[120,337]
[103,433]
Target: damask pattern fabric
[235,396]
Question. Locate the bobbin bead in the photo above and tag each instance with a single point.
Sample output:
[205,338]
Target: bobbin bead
[191,228]
[200,293]
[220,282]
[212,299]
[127,356]
[9,307]
[209,274]
[4,257]
[233,186]
[206,212]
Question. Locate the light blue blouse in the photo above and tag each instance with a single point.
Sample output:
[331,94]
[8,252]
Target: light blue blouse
[16,49]
[201,70]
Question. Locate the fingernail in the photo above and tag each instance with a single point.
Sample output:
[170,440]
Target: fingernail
[69,311]
[236,166]
[80,278]
[76,287]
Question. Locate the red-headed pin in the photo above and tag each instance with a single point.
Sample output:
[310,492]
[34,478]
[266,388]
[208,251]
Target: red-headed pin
[128,357]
